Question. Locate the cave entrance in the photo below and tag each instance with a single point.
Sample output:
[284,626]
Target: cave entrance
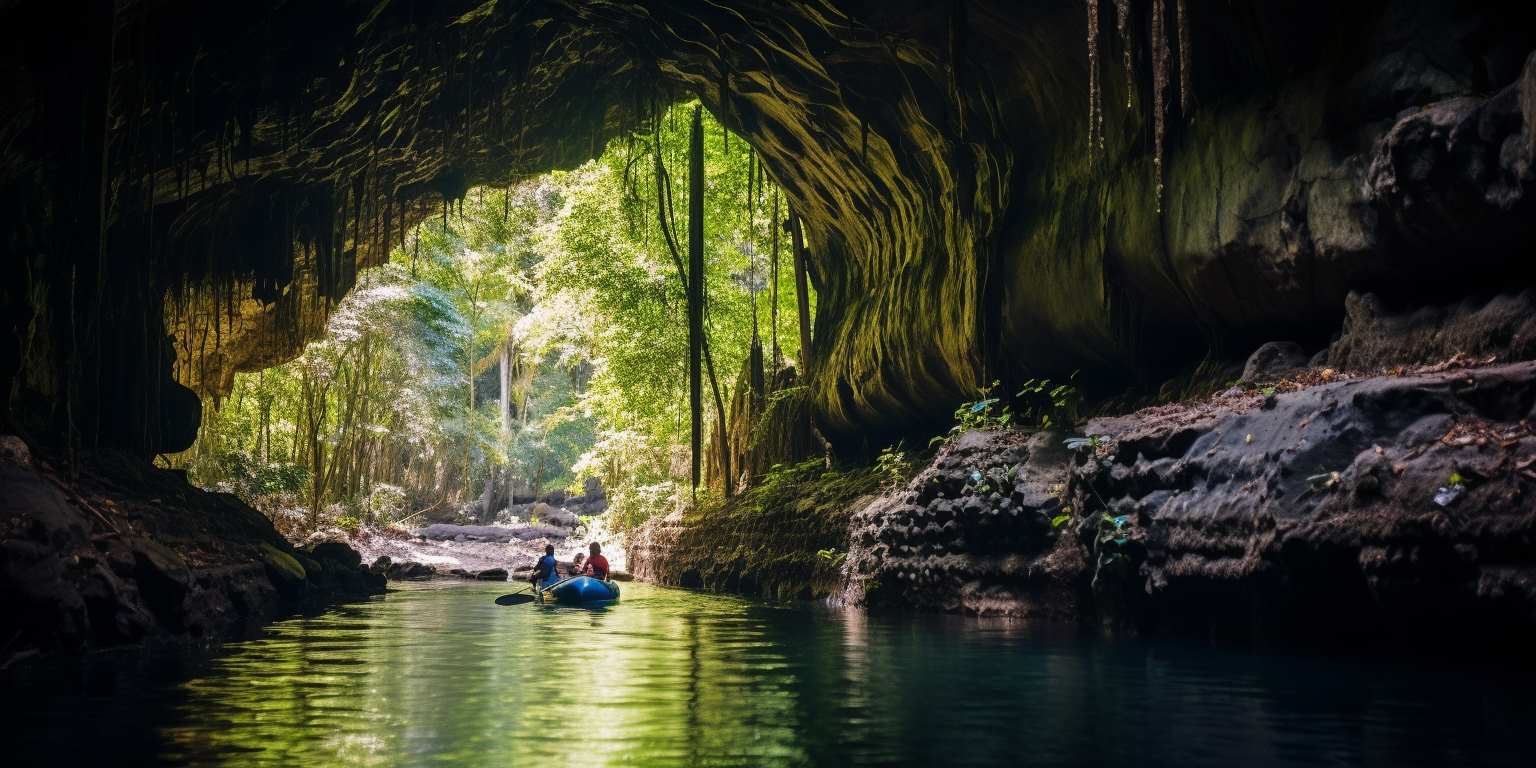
[527,344]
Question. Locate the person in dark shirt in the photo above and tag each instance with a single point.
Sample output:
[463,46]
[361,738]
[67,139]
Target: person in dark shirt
[545,572]
[597,565]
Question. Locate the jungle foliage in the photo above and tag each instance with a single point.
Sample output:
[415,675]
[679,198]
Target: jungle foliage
[531,337]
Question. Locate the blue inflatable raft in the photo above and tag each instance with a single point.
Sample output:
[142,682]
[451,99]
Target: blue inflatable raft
[581,590]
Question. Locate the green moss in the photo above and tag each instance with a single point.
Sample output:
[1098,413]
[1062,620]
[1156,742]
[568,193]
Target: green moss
[283,563]
[766,541]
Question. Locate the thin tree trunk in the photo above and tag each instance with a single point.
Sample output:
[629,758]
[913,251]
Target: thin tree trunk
[773,294]
[504,376]
[802,293]
[696,289]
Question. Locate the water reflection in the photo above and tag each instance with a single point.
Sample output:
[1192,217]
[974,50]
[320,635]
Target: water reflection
[436,674]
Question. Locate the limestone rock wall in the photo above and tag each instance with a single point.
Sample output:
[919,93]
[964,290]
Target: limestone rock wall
[1393,506]
[126,553]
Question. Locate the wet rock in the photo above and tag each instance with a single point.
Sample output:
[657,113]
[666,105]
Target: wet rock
[1367,505]
[492,574]
[381,564]
[337,552]
[958,551]
[1273,361]
[410,570]
[123,553]
[494,533]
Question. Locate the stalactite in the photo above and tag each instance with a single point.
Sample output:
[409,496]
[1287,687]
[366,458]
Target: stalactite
[1185,61]
[1160,63]
[1123,26]
[1095,90]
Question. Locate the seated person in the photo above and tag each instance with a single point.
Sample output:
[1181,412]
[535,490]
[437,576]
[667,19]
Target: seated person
[576,564]
[597,565]
[545,572]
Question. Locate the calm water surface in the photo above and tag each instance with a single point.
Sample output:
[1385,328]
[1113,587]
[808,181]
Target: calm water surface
[436,674]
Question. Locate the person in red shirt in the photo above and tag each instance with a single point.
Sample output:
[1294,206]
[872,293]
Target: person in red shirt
[597,565]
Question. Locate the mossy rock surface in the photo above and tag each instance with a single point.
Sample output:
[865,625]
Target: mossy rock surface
[285,569]
[782,539]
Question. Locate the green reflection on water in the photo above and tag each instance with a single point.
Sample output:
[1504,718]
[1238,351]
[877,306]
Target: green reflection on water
[437,674]
[441,675]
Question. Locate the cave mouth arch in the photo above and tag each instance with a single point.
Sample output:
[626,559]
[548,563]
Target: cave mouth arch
[523,340]
[936,153]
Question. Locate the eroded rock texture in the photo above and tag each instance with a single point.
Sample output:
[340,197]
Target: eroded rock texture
[1396,504]
[973,532]
[1399,507]
[1375,337]
[130,553]
[218,172]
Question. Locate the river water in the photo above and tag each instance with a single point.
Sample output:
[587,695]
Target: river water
[436,674]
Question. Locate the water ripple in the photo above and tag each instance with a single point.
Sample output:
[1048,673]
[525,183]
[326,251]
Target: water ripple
[435,674]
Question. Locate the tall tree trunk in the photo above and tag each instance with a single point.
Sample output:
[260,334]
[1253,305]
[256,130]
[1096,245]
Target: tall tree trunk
[773,293]
[504,376]
[802,293]
[696,289]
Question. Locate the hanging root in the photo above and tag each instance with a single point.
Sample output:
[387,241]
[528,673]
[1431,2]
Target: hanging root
[1160,63]
[1095,90]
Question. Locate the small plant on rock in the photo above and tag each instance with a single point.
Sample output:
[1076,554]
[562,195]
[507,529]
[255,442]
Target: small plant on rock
[1111,543]
[985,412]
[1051,404]
[832,556]
[893,466]
[998,479]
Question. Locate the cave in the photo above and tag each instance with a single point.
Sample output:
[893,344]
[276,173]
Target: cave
[960,223]
[1131,195]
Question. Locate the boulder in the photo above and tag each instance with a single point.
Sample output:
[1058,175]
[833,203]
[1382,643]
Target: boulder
[1273,361]
[561,516]
[381,564]
[410,570]
[492,574]
[592,488]
[336,552]
[1502,327]
[493,533]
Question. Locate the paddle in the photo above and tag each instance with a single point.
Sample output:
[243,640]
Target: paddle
[517,598]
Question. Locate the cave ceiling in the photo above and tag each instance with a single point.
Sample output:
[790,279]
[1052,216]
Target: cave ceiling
[986,195]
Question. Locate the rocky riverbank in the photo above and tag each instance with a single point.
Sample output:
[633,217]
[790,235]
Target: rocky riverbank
[1321,507]
[513,543]
[121,552]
